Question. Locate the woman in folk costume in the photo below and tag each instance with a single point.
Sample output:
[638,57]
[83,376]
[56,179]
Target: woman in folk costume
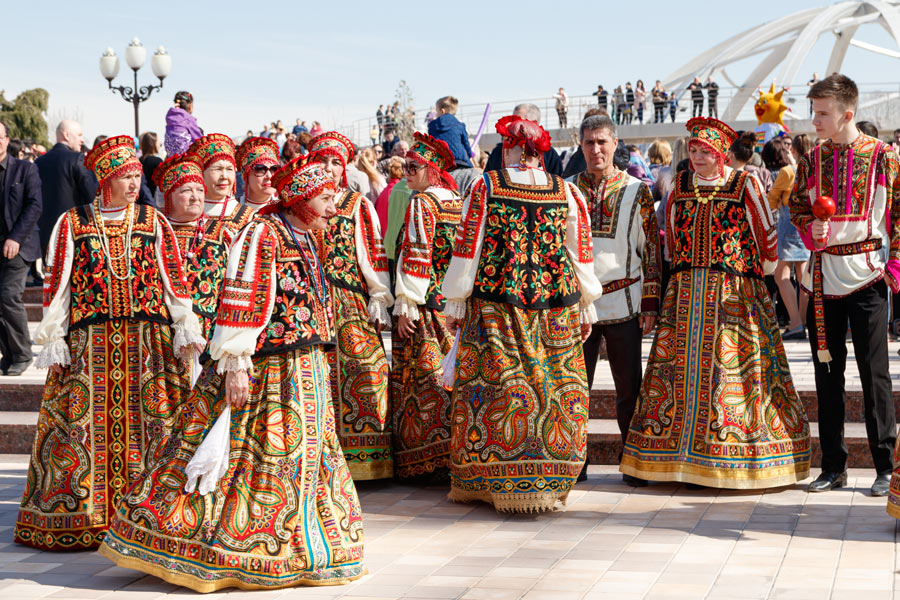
[717,405]
[521,285]
[117,319]
[257,159]
[215,154]
[282,511]
[420,402]
[356,267]
[203,241]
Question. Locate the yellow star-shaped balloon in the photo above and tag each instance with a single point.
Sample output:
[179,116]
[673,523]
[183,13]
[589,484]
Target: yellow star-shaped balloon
[769,107]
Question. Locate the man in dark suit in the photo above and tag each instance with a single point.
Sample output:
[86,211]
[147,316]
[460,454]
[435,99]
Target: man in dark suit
[20,208]
[65,182]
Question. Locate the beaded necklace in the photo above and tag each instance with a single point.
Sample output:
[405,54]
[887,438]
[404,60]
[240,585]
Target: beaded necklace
[104,240]
[316,273]
[702,199]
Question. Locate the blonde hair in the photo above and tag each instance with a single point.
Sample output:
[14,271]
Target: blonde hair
[680,151]
[659,152]
[395,167]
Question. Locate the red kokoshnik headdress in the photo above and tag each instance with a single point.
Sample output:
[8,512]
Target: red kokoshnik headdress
[174,172]
[435,154]
[715,135]
[334,144]
[113,157]
[517,131]
[213,147]
[256,151]
[298,181]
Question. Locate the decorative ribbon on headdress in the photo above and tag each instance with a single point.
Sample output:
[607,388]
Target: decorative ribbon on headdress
[518,131]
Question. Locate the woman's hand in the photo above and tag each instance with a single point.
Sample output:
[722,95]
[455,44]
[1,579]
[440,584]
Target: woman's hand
[237,388]
[405,327]
[585,331]
[453,324]
[57,368]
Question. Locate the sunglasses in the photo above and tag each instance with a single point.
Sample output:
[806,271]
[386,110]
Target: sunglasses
[411,168]
[261,170]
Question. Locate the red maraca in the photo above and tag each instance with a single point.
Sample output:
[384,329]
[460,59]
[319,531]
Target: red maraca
[823,208]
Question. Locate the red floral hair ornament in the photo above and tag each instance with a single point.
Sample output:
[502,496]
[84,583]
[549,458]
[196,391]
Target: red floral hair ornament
[517,131]
[112,158]
[332,143]
[174,172]
[436,156]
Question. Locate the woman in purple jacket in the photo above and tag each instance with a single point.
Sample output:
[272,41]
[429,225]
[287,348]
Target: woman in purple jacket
[181,126]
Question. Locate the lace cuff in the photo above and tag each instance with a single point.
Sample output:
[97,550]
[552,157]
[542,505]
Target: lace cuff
[378,311]
[184,340]
[55,352]
[455,309]
[407,308]
[589,314]
[230,362]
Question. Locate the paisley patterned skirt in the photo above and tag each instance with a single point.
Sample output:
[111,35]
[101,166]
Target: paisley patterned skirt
[717,405]
[421,404]
[102,423]
[286,512]
[520,410]
[359,387]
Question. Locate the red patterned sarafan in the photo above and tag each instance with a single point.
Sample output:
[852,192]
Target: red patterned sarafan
[97,296]
[341,252]
[467,234]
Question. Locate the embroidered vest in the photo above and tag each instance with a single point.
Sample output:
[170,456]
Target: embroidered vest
[523,259]
[204,271]
[716,234]
[97,295]
[239,217]
[341,266]
[448,214]
[299,318]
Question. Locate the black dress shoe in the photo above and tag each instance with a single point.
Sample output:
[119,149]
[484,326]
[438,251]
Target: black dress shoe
[17,368]
[633,481]
[882,485]
[5,363]
[828,480]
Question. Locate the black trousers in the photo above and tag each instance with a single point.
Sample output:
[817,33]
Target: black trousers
[698,107]
[15,341]
[623,349]
[712,109]
[867,312]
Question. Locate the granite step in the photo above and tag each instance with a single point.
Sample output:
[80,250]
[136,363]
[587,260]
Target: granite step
[17,430]
[34,299]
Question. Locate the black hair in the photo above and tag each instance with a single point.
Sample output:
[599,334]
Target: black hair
[184,99]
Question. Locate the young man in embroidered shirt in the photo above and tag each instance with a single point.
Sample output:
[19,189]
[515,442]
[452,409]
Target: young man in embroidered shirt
[626,261]
[848,278]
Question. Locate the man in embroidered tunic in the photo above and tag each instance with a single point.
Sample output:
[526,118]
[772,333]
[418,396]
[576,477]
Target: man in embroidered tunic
[848,276]
[626,261]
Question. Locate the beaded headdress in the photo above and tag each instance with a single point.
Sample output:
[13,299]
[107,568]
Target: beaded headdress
[435,154]
[517,131]
[334,144]
[112,158]
[298,181]
[213,147]
[256,151]
[174,172]
[715,134]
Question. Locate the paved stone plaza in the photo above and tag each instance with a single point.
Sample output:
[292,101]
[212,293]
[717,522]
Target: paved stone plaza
[611,541]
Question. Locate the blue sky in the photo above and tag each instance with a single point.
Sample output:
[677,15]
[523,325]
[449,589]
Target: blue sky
[250,63]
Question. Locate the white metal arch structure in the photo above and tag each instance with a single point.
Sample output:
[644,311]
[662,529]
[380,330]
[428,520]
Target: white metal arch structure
[787,42]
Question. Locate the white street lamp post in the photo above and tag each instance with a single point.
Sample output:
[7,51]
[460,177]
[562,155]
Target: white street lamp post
[135,56]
